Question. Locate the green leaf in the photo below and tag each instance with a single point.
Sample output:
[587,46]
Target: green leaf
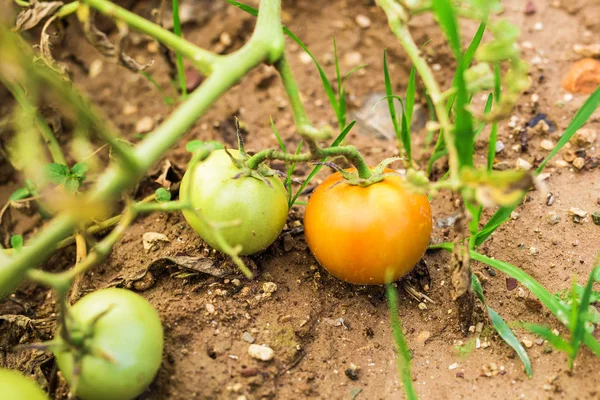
[278,136]
[411,89]
[440,146]
[56,173]
[194,145]
[19,194]
[317,168]
[161,195]
[79,170]
[324,80]
[582,314]
[502,328]
[16,242]
[447,20]
[244,7]
[390,98]
[71,184]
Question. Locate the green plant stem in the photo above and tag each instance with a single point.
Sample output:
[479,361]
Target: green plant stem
[397,20]
[177,31]
[46,132]
[203,60]
[67,9]
[266,45]
[303,124]
[62,281]
[316,153]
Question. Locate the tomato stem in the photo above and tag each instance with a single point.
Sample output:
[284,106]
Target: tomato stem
[316,153]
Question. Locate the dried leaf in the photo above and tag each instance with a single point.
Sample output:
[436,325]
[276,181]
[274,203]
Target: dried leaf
[100,41]
[35,13]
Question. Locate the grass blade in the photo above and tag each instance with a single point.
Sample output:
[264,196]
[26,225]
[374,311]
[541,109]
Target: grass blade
[317,168]
[547,298]
[403,356]
[584,113]
[179,58]
[502,328]
[278,136]
[390,99]
[411,89]
[581,317]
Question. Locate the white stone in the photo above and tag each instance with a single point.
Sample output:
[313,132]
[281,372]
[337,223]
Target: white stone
[263,353]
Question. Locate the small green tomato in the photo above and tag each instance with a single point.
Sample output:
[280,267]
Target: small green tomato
[121,338]
[257,210]
[15,386]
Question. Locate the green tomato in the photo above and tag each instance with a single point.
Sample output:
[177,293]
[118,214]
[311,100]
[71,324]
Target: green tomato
[15,386]
[260,209]
[123,347]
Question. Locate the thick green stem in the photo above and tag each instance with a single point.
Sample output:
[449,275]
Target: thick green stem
[266,44]
[202,59]
[397,20]
[303,124]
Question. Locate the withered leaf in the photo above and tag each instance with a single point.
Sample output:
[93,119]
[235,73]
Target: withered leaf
[35,13]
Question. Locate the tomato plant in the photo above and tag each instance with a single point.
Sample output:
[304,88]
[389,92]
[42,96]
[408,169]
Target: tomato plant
[367,235]
[15,386]
[252,210]
[117,338]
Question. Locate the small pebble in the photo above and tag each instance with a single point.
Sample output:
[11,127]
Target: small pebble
[596,217]
[527,343]
[269,287]
[144,125]
[514,215]
[533,251]
[263,353]
[499,146]
[210,308]
[585,137]
[305,58]
[579,162]
[363,21]
[523,164]
[552,218]
[453,366]
[352,59]
[547,144]
[247,337]
[539,26]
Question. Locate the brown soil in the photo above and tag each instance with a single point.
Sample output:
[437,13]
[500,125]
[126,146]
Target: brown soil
[205,356]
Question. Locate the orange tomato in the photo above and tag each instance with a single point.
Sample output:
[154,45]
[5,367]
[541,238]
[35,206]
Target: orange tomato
[367,235]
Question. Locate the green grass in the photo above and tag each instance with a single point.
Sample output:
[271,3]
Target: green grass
[338,102]
[403,358]
[179,58]
[401,130]
[440,146]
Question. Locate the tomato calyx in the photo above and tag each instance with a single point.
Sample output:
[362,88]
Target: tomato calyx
[352,177]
